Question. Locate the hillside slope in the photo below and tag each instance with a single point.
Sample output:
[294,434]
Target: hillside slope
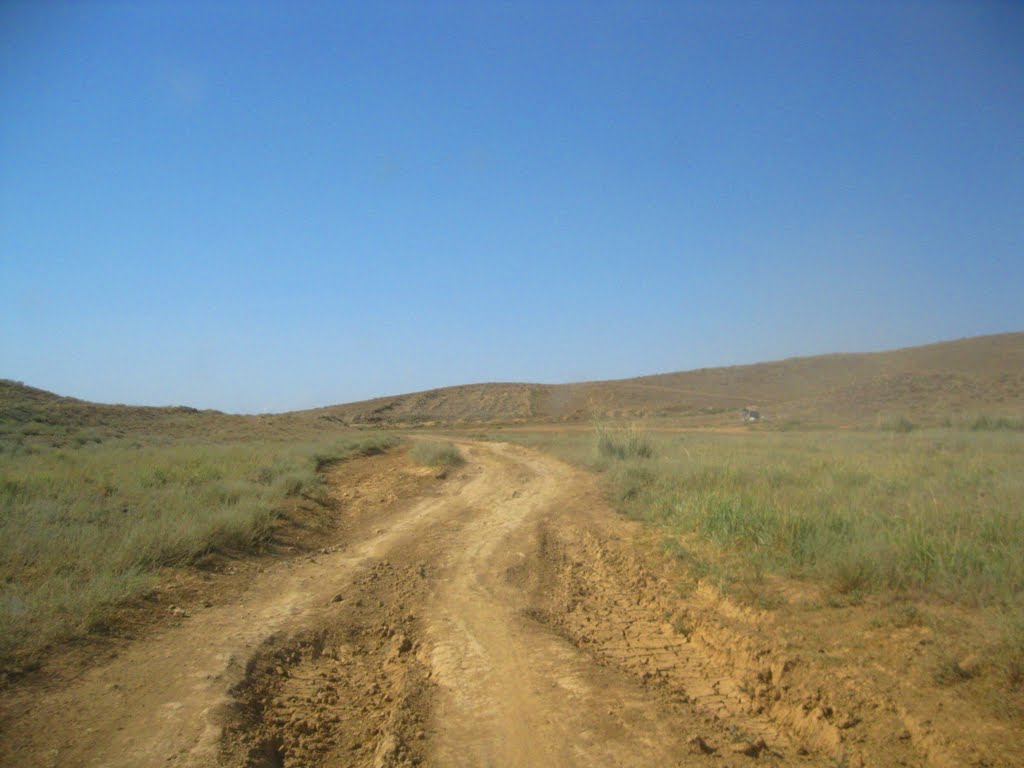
[22,403]
[931,383]
[35,415]
[967,376]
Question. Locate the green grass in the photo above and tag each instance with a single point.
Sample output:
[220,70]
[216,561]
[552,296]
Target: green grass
[926,515]
[430,453]
[628,443]
[929,511]
[84,528]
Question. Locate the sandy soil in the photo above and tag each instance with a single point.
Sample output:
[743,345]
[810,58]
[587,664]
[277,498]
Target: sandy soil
[496,615]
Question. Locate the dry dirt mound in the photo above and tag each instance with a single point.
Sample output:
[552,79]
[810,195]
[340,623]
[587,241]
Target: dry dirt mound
[351,692]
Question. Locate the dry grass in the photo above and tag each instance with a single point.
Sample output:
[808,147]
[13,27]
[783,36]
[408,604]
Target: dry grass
[927,385]
[933,510]
[83,529]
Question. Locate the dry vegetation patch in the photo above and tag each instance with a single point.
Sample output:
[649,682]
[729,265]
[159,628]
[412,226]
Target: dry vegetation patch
[430,453]
[83,529]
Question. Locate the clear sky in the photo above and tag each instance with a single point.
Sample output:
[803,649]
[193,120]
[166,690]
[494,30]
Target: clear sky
[266,206]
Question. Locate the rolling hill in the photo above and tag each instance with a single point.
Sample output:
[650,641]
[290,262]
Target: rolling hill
[931,383]
[983,374]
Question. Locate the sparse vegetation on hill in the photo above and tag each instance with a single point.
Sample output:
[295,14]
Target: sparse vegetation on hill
[945,383]
[928,385]
[32,412]
[32,418]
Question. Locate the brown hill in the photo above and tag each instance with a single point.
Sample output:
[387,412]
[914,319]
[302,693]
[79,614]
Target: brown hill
[960,378]
[951,380]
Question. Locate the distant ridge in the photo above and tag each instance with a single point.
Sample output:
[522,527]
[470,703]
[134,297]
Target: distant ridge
[983,373]
[979,375]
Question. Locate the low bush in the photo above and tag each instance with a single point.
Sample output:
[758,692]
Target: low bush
[435,454]
[623,444]
[994,423]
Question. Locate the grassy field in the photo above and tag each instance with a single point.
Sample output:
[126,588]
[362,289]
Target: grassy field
[933,515]
[84,527]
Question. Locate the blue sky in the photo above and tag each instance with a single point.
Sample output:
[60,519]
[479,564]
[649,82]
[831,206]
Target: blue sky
[266,206]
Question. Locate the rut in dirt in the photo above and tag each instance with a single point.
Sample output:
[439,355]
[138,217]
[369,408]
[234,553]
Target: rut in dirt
[455,649]
[443,659]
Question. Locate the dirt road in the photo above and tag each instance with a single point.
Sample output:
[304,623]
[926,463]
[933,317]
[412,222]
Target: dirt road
[493,618]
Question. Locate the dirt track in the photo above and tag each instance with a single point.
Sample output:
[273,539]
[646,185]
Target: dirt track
[494,618]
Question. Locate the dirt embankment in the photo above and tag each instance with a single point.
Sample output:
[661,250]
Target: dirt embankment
[498,616]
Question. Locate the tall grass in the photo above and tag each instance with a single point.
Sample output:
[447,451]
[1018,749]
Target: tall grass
[628,443]
[993,423]
[83,529]
[936,512]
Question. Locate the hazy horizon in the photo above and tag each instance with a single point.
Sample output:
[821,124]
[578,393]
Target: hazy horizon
[273,207]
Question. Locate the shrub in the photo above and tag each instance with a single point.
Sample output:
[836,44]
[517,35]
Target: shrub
[902,425]
[435,454]
[629,443]
[991,424]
